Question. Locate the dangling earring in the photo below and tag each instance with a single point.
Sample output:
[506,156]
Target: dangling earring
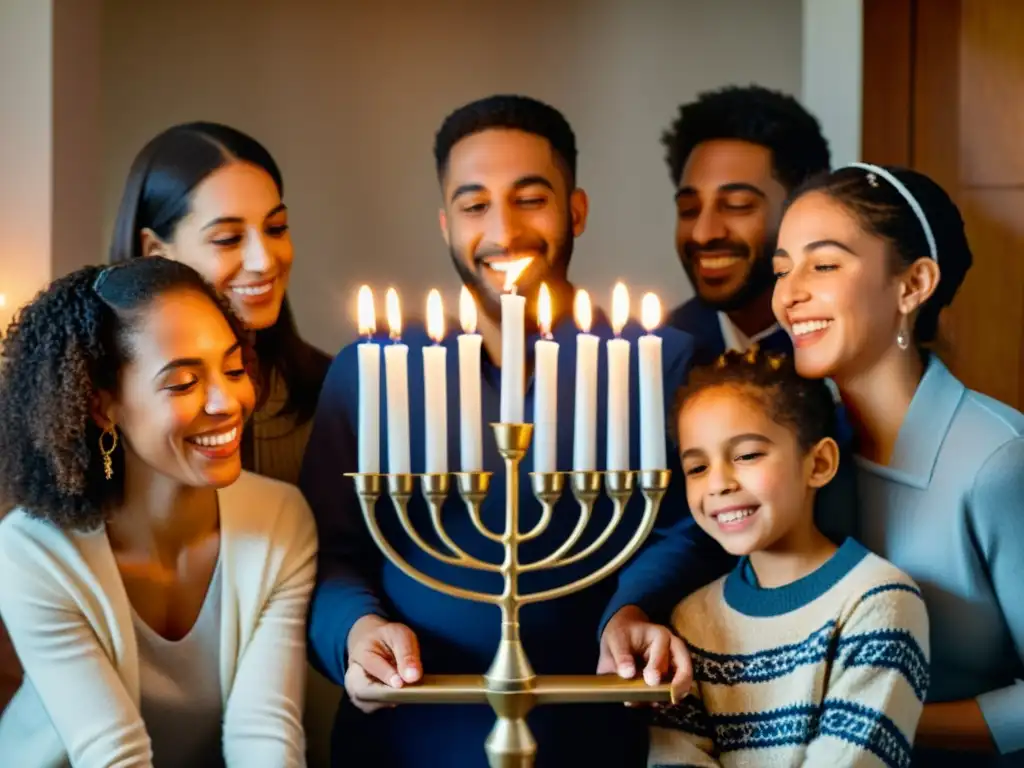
[108,465]
[902,337]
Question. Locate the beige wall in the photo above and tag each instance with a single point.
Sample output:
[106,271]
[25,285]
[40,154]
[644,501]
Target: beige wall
[25,160]
[50,149]
[347,95]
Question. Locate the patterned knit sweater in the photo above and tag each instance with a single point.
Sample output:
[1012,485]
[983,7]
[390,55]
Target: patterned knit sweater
[830,670]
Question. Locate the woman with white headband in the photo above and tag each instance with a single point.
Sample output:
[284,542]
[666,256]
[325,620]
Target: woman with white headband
[867,258]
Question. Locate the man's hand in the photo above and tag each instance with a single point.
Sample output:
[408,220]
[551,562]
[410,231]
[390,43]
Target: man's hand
[629,635]
[380,652]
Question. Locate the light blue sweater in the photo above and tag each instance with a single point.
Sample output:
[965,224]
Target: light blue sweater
[949,511]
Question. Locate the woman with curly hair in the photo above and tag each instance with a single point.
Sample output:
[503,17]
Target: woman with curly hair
[155,593]
[210,196]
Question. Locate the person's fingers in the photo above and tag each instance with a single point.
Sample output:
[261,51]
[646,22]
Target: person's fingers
[406,650]
[616,655]
[358,684]
[657,653]
[683,675]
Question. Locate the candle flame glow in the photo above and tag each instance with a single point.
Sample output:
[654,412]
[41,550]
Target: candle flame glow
[366,313]
[513,270]
[394,313]
[544,311]
[581,309]
[650,312]
[467,311]
[435,316]
[620,307]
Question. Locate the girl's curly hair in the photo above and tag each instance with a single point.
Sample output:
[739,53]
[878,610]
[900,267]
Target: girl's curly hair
[61,350]
[806,406]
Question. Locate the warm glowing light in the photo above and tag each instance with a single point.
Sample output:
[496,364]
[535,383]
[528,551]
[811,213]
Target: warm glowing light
[367,314]
[581,309]
[544,311]
[3,300]
[435,316]
[467,311]
[513,270]
[620,308]
[394,313]
[650,312]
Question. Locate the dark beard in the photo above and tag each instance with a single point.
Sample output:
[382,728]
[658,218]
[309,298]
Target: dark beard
[760,279]
[555,275]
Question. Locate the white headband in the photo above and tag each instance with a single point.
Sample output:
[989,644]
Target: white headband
[911,201]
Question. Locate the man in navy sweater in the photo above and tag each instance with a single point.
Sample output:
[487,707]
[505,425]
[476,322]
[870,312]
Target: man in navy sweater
[507,169]
[734,156]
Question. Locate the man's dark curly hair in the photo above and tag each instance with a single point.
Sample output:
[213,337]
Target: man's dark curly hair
[61,350]
[769,379]
[756,115]
[520,113]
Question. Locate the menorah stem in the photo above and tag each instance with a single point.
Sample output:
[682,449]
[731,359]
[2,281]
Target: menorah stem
[510,679]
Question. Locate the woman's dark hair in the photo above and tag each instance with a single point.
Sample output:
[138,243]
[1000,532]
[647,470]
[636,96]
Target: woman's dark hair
[805,406]
[158,195]
[881,210]
[61,350]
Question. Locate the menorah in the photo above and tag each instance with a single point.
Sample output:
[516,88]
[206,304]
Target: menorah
[510,685]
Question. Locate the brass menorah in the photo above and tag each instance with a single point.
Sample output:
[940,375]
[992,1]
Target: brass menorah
[510,685]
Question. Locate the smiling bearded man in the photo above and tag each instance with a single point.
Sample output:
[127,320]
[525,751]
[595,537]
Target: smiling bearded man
[735,155]
[506,166]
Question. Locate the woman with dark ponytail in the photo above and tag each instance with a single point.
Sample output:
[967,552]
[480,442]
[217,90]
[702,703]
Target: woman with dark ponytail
[868,257]
[211,197]
[155,593]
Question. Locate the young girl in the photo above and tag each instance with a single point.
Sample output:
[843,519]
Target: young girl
[806,653]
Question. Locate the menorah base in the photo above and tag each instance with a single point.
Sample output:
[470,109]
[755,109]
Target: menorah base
[546,689]
[510,744]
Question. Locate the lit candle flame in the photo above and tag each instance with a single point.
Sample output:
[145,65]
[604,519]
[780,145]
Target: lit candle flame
[544,311]
[366,313]
[467,311]
[513,270]
[620,307]
[581,309]
[435,316]
[394,313]
[650,312]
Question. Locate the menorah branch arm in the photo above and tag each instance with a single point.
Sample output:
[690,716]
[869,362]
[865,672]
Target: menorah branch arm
[368,489]
[473,487]
[435,489]
[653,484]
[547,488]
[586,486]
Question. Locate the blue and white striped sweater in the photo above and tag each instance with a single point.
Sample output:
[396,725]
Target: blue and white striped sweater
[831,670]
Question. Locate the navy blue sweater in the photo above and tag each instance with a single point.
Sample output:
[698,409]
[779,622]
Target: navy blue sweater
[458,636]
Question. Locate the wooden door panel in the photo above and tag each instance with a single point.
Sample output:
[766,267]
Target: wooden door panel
[984,326]
[992,93]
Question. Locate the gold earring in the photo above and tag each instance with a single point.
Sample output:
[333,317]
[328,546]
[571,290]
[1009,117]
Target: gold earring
[108,465]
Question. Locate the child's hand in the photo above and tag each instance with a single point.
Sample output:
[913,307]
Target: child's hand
[630,635]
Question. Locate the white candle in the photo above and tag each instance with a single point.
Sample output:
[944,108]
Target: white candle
[369,387]
[470,403]
[618,385]
[545,383]
[513,345]
[396,368]
[652,391]
[585,425]
[435,390]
